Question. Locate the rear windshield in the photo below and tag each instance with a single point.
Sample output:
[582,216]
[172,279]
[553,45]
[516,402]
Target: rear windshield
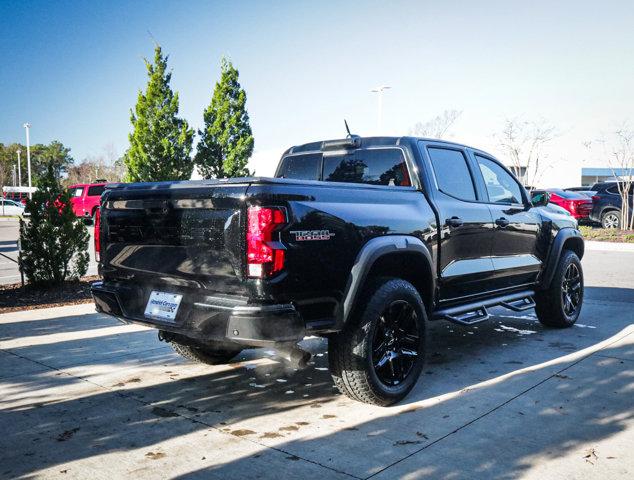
[381,166]
[569,195]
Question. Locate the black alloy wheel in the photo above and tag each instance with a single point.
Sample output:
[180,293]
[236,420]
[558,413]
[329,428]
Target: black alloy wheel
[559,305]
[395,343]
[378,356]
[571,289]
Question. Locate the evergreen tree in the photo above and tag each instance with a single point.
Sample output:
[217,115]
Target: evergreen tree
[54,241]
[226,142]
[160,142]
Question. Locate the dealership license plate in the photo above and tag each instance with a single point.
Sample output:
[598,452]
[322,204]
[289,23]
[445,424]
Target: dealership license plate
[163,306]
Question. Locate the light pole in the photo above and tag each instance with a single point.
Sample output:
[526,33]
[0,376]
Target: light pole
[380,89]
[19,169]
[27,126]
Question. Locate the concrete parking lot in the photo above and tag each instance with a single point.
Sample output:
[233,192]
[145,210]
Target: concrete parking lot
[82,396]
[9,233]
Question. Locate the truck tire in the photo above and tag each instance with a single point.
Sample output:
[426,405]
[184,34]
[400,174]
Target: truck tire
[560,305]
[378,356]
[611,219]
[209,356]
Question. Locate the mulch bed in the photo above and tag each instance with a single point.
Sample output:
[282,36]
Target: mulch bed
[608,235]
[14,298]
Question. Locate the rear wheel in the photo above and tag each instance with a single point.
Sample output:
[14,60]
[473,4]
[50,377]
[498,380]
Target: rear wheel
[560,305]
[379,355]
[209,355]
[611,219]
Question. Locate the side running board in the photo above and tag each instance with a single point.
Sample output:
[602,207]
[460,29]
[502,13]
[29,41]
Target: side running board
[476,312]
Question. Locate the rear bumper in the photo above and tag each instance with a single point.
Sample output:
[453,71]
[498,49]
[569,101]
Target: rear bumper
[204,318]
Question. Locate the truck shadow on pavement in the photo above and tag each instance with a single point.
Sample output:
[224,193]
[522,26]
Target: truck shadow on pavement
[490,401]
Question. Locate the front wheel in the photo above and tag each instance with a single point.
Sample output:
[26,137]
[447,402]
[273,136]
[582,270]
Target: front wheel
[560,305]
[379,355]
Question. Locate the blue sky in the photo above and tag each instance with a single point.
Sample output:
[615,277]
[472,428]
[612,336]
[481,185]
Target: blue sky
[73,69]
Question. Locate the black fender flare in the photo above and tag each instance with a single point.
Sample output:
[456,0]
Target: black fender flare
[369,254]
[570,236]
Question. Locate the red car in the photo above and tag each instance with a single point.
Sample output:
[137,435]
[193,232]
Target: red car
[577,204]
[84,198]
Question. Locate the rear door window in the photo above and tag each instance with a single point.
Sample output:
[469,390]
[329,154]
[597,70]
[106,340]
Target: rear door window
[614,190]
[96,190]
[452,173]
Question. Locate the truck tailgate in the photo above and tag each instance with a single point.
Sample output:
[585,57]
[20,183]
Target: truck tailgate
[186,234]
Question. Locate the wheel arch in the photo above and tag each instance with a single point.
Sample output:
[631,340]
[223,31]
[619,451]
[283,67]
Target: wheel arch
[400,256]
[566,239]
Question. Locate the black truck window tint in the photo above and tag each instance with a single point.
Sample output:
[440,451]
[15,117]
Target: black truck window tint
[381,166]
[452,173]
[301,167]
[501,187]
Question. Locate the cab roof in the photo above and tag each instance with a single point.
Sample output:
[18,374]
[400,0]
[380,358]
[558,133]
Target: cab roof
[364,142]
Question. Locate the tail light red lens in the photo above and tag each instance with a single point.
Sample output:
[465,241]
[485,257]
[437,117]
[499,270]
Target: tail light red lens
[265,256]
[97,234]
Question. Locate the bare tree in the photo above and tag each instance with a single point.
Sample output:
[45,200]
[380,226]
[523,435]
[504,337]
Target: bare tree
[523,142]
[108,167]
[618,149]
[438,126]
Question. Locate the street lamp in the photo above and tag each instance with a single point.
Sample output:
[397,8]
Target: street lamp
[19,169]
[27,126]
[380,89]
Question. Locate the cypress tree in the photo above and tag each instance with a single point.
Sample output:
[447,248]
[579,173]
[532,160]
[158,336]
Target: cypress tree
[226,142]
[54,242]
[160,142]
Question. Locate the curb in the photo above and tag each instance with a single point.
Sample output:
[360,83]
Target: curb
[10,219]
[609,246]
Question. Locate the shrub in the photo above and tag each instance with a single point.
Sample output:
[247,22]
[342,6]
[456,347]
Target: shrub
[586,231]
[54,242]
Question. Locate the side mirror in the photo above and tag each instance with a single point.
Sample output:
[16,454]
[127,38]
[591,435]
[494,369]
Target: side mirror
[540,199]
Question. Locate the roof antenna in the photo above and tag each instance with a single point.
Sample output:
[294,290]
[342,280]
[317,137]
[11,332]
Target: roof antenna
[347,128]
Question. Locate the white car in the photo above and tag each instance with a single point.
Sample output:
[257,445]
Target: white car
[9,207]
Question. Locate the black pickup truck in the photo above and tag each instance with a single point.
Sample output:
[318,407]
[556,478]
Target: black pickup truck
[358,240]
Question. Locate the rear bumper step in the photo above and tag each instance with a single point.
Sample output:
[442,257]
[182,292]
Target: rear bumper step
[476,312]
[201,320]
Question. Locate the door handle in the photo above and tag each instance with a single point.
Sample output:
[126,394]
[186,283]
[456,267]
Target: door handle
[502,222]
[454,222]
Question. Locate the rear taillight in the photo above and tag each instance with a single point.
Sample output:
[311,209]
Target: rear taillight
[97,234]
[265,255]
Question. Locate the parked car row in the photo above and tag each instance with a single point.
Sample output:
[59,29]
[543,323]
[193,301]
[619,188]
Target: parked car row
[10,207]
[599,204]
